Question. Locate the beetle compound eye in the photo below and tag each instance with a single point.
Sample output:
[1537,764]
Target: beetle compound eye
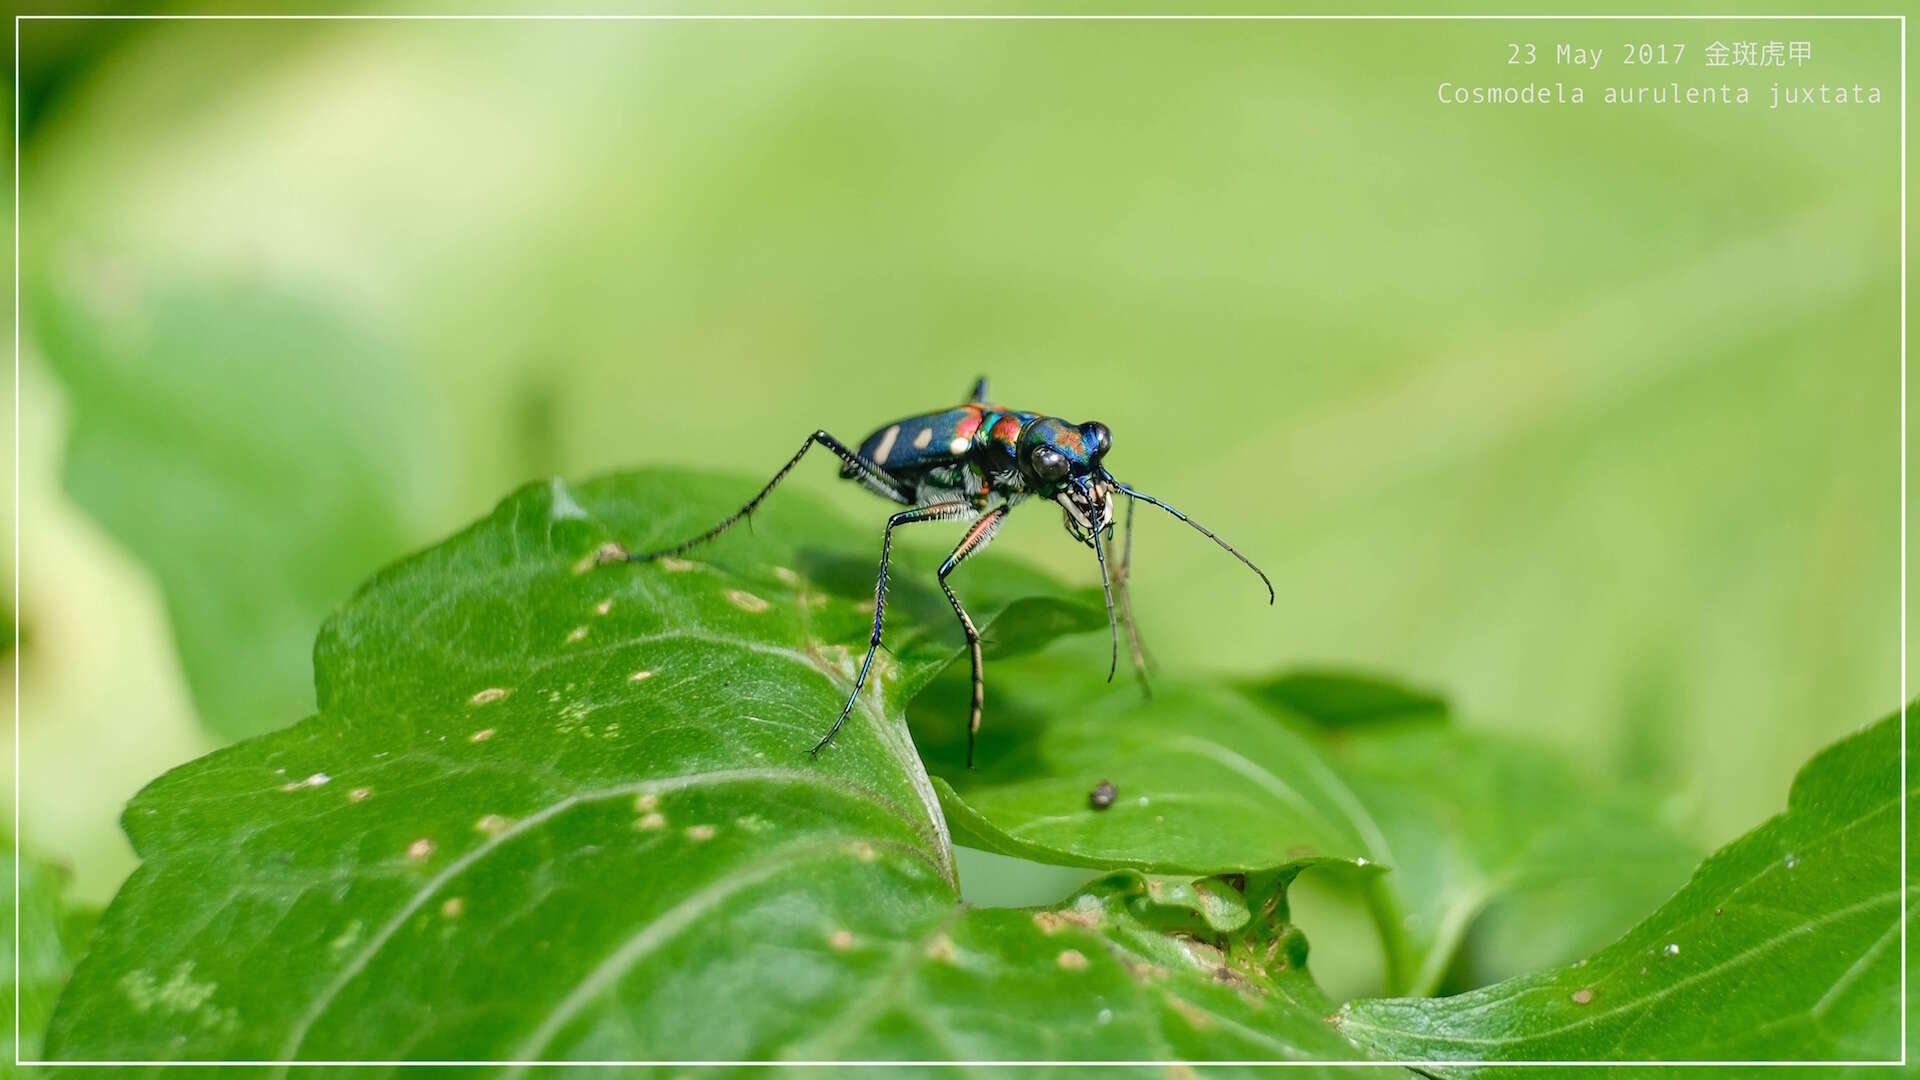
[1098,438]
[1049,464]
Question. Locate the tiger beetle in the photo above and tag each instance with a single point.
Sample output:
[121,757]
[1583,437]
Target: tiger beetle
[975,463]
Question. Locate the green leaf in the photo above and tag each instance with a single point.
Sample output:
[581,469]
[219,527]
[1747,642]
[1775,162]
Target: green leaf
[256,453]
[52,932]
[1213,781]
[498,840]
[1119,972]
[1784,946]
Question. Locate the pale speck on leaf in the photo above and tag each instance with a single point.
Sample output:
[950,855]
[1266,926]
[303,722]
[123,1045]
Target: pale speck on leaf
[840,940]
[420,849]
[1072,960]
[489,695]
[481,736]
[746,601]
[700,833]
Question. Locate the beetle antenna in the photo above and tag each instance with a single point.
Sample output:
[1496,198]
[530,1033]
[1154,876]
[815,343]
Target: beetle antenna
[1106,586]
[1203,530]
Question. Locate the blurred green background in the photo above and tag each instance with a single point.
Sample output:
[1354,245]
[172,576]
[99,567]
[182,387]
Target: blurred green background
[1588,417]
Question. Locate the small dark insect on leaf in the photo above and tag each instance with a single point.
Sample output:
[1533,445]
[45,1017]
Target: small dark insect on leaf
[1102,795]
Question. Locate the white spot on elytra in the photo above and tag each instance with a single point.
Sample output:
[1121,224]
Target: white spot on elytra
[640,676]
[481,736]
[746,601]
[420,849]
[924,439]
[489,695]
[886,445]
[959,446]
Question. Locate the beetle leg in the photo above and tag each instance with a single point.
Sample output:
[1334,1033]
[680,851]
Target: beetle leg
[864,471]
[977,538]
[979,392]
[940,511]
[1120,584]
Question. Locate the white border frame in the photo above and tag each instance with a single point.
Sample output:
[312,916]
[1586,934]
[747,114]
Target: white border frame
[991,18]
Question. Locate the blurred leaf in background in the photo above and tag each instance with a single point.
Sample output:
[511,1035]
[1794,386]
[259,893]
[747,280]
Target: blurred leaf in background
[260,456]
[1586,416]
